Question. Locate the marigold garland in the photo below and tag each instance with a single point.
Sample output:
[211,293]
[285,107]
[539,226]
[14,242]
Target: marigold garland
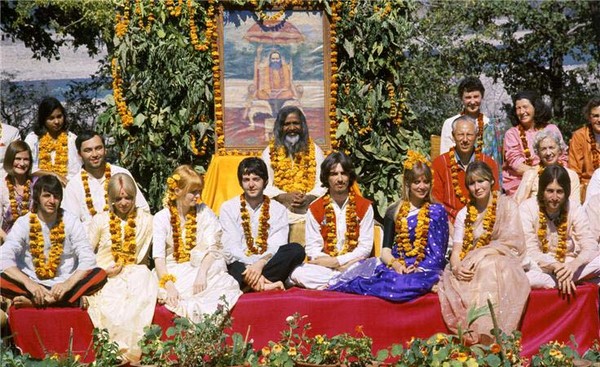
[296,173]
[174,10]
[138,12]
[488,225]
[352,226]
[123,244]
[181,247]
[60,147]
[561,247]
[122,20]
[122,109]
[454,175]
[18,209]
[526,151]
[260,245]
[88,195]
[210,26]
[402,240]
[335,7]
[594,146]
[46,268]
[413,157]
[166,278]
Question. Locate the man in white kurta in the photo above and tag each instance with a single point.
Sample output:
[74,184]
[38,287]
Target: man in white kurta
[76,272]
[8,134]
[337,174]
[255,267]
[92,151]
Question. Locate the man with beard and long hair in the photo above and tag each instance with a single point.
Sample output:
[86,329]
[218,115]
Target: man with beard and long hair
[293,161]
[274,80]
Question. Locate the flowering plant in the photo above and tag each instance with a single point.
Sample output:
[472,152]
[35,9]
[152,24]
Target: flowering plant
[355,350]
[554,354]
[286,351]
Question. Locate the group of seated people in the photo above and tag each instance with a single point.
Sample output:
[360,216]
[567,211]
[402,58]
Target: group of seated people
[85,237]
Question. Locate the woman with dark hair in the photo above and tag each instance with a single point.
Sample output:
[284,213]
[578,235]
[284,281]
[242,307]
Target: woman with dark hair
[414,243]
[561,249]
[15,187]
[52,145]
[532,115]
[485,263]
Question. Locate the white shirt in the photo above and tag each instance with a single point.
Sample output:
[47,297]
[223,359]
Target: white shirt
[73,159]
[9,134]
[446,138]
[314,240]
[74,195]
[77,251]
[593,186]
[234,241]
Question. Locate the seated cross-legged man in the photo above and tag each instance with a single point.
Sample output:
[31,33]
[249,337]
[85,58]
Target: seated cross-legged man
[255,233]
[47,259]
[339,226]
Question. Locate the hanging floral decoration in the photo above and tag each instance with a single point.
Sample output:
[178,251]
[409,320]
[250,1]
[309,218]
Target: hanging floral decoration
[352,226]
[22,207]
[258,246]
[561,229]
[46,268]
[123,241]
[488,224]
[61,153]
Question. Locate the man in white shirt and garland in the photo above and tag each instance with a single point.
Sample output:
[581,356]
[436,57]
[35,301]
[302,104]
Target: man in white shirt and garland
[293,161]
[47,259]
[339,226]
[255,233]
[86,193]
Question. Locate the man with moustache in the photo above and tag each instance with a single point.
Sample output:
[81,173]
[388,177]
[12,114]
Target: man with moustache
[339,226]
[449,168]
[86,193]
[293,161]
[274,81]
[255,233]
[47,259]
[584,147]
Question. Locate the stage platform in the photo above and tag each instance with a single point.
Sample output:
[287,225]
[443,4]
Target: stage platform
[547,317]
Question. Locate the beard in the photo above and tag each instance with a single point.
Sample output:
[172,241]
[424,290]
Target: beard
[275,64]
[291,143]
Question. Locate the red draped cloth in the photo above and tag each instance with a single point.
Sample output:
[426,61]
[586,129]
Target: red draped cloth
[547,317]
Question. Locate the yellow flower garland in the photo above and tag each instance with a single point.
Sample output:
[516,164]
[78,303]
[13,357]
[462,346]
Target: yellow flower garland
[352,226]
[454,175]
[561,247]
[210,26]
[166,278]
[138,12]
[297,174]
[123,245]
[122,109]
[86,189]
[18,210]
[488,225]
[402,240]
[46,269]
[182,248]
[526,151]
[260,245]
[58,145]
[122,20]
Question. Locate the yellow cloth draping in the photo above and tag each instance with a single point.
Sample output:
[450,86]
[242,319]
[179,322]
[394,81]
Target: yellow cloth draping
[220,180]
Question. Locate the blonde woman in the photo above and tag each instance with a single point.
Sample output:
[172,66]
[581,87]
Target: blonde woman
[414,243]
[187,251]
[486,260]
[121,239]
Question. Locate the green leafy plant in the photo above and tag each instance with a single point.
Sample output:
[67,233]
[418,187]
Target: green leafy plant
[554,354]
[106,352]
[287,350]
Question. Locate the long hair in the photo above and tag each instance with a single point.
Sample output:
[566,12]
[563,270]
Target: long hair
[12,150]
[331,161]
[410,175]
[542,114]
[478,169]
[117,182]
[45,109]
[554,172]
[48,183]
[302,144]
[190,180]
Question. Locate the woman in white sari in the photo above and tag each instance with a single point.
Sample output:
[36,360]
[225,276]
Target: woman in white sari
[121,239]
[187,251]
[485,261]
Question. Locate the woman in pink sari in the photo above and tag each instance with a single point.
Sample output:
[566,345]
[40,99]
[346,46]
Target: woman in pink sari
[485,261]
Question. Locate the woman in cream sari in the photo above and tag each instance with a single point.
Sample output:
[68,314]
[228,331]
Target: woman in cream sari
[485,261]
[121,239]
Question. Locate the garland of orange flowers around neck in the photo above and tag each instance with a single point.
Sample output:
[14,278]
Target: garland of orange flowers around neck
[479,145]
[488,225]
[123,245]
[561,247]
[595,152]
[296,173]
[88,195]
[181,247]
[58,145]
[352,223]
[526,151]
[18,209]
[402,240]
[260,245]
[46,269]
[454,176]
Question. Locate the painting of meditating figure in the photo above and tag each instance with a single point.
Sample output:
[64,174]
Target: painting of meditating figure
[268,65]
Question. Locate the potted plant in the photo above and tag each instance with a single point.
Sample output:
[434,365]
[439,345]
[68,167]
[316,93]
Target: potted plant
[288,349]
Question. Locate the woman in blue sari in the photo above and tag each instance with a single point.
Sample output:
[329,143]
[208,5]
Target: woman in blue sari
[414,243]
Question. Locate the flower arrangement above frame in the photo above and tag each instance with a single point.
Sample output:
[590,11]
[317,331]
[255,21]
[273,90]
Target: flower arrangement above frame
[265,60]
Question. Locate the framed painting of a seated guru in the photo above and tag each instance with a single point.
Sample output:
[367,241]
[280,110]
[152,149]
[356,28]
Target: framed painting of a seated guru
[269,64]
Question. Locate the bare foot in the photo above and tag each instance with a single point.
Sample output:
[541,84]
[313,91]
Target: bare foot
[22,302]
[274,286]
[435,288]
[84,303]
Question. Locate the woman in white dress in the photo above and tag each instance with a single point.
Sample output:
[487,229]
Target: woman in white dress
[121,239]
[187,251]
